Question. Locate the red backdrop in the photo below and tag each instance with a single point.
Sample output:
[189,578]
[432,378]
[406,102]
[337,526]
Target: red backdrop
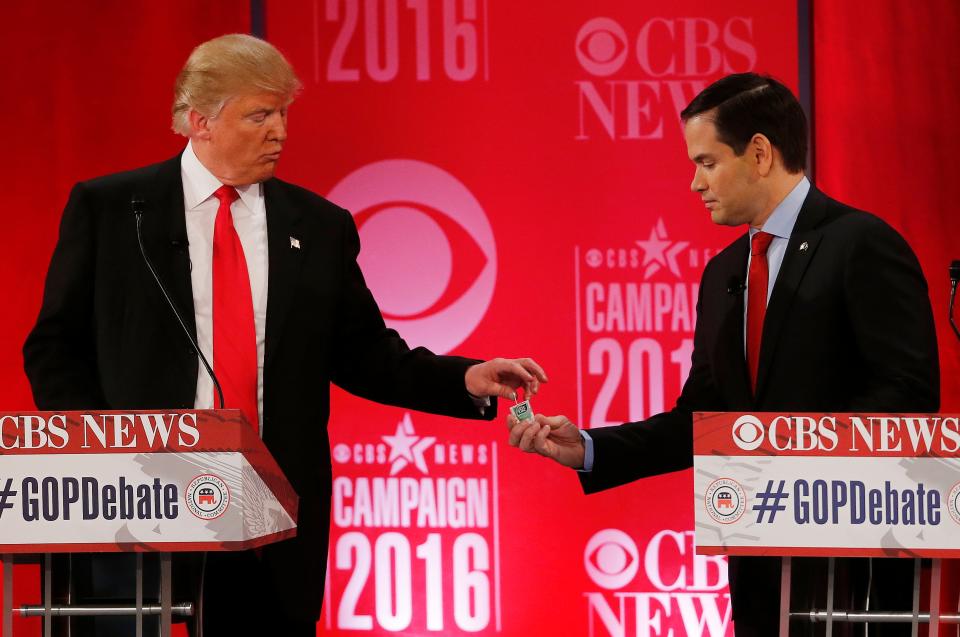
[519,169]
[885,99]
[560,123]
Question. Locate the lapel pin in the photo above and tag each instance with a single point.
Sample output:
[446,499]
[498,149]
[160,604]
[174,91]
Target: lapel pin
[804,246]
[295,243]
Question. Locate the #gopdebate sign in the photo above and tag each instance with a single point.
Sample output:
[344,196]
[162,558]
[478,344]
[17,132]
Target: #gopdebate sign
[815,484]
[125,481]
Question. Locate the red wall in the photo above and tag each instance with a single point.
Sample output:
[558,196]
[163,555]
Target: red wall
[87,92]
[886,131]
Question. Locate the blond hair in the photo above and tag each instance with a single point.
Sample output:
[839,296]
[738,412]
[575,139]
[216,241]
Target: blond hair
[225,67]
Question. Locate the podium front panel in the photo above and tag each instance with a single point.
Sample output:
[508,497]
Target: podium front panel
[883,485]
[138,481]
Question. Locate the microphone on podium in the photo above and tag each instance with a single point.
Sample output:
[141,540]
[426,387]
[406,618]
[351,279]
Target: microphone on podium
[136,206]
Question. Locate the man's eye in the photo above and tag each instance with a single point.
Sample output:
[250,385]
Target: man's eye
[259,118]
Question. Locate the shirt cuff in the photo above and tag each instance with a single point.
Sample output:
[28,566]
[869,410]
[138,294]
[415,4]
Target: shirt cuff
[587,452]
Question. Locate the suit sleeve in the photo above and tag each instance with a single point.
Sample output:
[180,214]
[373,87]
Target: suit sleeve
[60,352]
[662,443]
[374,362]
[889,308]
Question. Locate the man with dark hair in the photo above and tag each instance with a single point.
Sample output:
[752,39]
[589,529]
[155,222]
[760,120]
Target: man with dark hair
[747,103]
[818,307]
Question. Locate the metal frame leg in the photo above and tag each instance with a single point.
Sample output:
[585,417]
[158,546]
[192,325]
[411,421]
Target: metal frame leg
[7,559]
[139,600]
[70,592]
[935,574]
[786,565]
[165,594]
[47,594]
[203,576]
[915,624]
[831,582]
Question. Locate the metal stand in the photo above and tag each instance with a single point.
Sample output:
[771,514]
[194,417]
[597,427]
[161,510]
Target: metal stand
[786,566]
[933,617]
[166,609]
[7,560]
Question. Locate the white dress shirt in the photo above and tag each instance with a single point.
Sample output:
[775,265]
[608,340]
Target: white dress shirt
[250,220]
[780,224]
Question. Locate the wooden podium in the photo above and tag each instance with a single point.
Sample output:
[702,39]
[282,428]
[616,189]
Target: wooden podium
[832,485]
[136,481]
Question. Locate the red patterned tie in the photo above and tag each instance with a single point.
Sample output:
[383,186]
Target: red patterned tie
[756,301]
[234,331]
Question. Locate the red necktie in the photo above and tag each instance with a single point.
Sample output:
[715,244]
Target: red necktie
[234,331]
[756,301]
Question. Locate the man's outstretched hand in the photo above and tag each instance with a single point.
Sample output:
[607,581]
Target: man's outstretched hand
[552,436]
[502,376]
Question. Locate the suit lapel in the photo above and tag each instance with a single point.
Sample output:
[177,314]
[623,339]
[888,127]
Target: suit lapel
[800,251]
[729,348]
[285,249]
[165,237]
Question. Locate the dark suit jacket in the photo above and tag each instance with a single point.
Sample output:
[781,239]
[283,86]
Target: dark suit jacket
[848,328]
[105,338]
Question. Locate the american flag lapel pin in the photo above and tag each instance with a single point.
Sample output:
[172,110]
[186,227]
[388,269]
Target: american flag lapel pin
[294,243]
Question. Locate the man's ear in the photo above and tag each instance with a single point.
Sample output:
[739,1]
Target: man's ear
[199,125]
[761,153]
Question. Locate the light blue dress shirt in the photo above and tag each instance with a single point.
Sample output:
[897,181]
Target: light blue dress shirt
[780,225]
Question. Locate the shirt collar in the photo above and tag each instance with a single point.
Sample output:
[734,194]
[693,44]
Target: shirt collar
[784,217]
[199,184]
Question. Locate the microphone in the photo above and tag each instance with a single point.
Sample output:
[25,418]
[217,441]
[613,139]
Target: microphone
[954,279]
[735,285]
[136,206]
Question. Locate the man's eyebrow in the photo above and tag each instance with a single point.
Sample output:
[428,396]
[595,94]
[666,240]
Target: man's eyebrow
[257,111]
[701,157]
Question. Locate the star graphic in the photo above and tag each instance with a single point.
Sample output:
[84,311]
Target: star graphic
[406,448]
[656,253]
[653,248]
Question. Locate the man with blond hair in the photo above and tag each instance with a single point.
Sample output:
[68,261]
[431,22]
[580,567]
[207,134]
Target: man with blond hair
[265,275]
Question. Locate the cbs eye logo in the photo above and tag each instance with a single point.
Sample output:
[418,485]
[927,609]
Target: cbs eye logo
[601,46]
[611,559]
[428,251]
[748,432]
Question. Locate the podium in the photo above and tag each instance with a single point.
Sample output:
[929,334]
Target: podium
[133,481]
[832,485]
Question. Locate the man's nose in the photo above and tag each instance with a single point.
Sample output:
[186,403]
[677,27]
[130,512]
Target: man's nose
[698,184]
[278,128]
